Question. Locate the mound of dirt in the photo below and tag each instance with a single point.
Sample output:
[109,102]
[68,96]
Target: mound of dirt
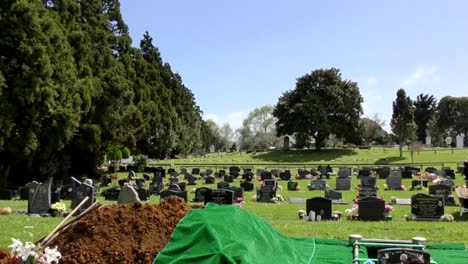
[129,233]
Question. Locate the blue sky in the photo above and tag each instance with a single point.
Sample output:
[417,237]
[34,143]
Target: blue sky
[239,55]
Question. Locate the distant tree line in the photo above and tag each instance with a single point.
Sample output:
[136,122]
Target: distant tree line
[72,88]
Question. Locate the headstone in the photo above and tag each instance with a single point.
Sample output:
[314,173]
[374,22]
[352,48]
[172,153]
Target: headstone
[415,183]
[112,194]
[209,172]
[394,181]
[171,170]
[449,173]
[159,171]
[427,207]
[371,209]
[158,179]
[247,176]
[286,142]
[212,148]
[344,172]
[407,174]
[428,140]
[403,255]
[238,192]
[220,196]
[292,186]
[174,174]
[447,182]
[128,194]
[444,191]
[228,178]
[191,180]
[266,175]
[106,180]
[122,168]
[148,169]
[343,184]
[234,169]
[320,206]
[302,173]
[265,195]
[364,172]
[143,194]
[317,185]
[368,182]
[131,175]
[174,187]
[183,186]
[164,196]
[200,194]
[195,171]
[269,184]
[24,192]
[248,186]
[156,188]
[183,171]
[173,180]
[459,141]
[275,173]
[39,199]
[367,192]
[333,195]
[140,182]
[209,180]
[222,185]
[285,176]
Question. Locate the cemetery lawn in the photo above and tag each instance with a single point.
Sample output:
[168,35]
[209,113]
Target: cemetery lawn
[283,216]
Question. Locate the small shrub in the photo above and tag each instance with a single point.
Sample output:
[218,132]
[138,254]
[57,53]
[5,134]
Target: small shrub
[140,161]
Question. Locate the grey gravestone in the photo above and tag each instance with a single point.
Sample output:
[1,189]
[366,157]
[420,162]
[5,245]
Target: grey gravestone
[394,180]
[397,255]
[159,171]
[371,209]
[248,186]
[80,191]
[333,195]
[128,194]
[427,207]
[24,192]
[443,191]
[209,180]
[292,186]
[285,176]
[106,180]
[200,194]
[264,195]
[156,188]
[40,198]
[164,196]
[321,206]
[343,184]
[221,196]
[234,169]
[302,173]
[158,179]
[317,185]
[183,186]
[131,174]
[344,172]
[368,182]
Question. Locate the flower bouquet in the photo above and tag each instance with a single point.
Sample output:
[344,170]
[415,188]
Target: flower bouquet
[28,253]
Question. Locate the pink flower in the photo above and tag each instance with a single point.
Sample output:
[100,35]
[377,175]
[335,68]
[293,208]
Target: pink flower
[388,208]
[239,199]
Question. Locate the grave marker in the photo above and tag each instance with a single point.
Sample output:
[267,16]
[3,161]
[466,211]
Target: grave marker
[403,255]
[317,185]
[39,199]
[444,191]
[333,195]
[371,209]
[285,176]
[164,196]
[322,208]
[264,195]
[248,186]
[128,194]
[426,207]
[292,186]
[394,180]
[343,184]
[200,194]
[220,196]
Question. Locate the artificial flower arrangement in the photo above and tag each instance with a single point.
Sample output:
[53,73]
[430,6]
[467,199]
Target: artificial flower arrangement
[28,253]
[447,217]
[277,199]
[410,217]
[353,212]
[388,209]
[240,202]
[59,207]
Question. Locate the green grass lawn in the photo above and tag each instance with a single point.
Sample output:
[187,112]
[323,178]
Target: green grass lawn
[283,216]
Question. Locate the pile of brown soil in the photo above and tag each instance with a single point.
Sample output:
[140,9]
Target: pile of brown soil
[129,233]
[5,257]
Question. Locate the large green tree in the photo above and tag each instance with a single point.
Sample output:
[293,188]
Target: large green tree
[402,122]
[321,104]
[425,107]
[259,130]
[452,117]
[373,131]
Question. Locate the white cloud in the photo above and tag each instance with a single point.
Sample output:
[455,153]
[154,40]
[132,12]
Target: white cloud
[422,75]
[234,119]
[371,81]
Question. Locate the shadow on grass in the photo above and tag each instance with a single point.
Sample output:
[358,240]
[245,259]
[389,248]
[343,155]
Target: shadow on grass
[388,160]
[458,218]
[301,156]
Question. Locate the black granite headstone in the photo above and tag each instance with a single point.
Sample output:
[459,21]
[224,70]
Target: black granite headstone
[228,178]
[248,186]
[40,198]
[200,194]
[164,196]
[80,191]
[285,176]
[425,206]
[322,208]
[443,191]
[371,209]
[248,176]
[238,192]
[265,195]
[333,195]
[209,180]
[292,186]
[220,196]
[403,255]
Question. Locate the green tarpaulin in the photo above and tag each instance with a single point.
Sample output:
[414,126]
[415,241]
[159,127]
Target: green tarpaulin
[227,234]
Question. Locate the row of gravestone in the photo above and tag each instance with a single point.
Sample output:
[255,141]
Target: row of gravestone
[423,207]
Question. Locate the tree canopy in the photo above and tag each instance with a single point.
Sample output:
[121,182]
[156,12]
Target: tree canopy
[321,104]
[425,107]
[258,129]
[402,122]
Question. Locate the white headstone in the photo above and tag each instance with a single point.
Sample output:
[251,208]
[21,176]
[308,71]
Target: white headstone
[448,140]
[212,148]
[459,141]
[428,140]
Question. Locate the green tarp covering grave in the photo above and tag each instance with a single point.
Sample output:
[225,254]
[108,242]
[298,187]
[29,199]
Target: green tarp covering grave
[227,234]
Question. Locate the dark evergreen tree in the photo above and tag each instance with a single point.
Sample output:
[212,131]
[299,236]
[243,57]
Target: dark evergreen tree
[425,107]
[402,122]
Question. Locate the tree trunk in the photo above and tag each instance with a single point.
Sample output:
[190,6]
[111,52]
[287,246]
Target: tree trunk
[318,142]
[401,150]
